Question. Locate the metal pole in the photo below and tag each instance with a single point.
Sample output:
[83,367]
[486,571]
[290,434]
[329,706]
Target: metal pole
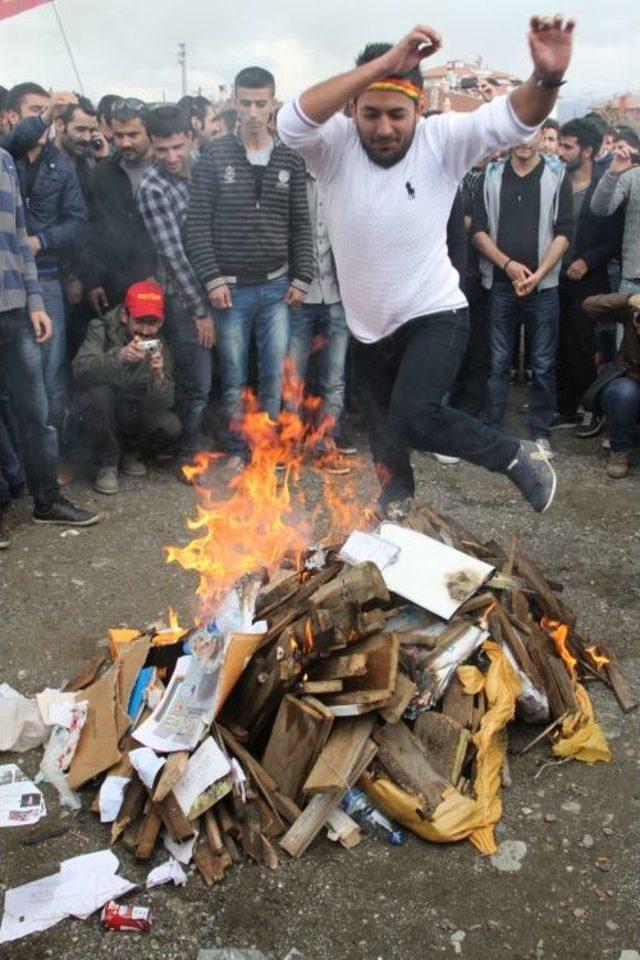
[182,60]
[68,46]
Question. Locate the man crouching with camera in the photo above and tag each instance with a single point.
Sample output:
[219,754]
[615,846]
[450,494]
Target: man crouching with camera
[124,377]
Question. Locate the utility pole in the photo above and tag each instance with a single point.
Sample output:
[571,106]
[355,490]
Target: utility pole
[182,60]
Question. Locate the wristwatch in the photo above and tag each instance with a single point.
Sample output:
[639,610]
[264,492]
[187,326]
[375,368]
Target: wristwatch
[547,83]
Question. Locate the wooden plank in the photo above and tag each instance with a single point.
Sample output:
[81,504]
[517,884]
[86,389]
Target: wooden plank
[623,690]
[211,865]
[320,686]
[405,757]
[174,819]
[298,735]
[171,773]
[445,741]
[342,710]
[342,828]
[335,668]
[269,854]
[135,797]
[344,746]
[212,830]
[314,816]
[457,704]
[363,697]
[266,784]
[148,833]
[381,652]
[399,700]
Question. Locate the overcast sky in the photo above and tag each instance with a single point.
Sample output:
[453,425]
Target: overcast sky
[130,46]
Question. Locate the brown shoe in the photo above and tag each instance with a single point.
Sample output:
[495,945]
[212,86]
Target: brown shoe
[618,466]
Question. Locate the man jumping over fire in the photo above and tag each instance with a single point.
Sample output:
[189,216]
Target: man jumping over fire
[388,179]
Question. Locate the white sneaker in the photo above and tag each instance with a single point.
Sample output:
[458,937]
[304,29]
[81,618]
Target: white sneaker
[443,458]
[545,447]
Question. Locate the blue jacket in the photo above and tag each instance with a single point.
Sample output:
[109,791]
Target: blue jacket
[54,206]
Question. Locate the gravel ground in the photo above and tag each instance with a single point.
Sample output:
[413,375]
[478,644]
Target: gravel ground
[576,893]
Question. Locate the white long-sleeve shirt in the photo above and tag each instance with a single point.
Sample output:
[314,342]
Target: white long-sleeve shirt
[388,225]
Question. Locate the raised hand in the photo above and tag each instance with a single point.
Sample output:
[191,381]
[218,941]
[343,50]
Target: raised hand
[551,40]
[407,53]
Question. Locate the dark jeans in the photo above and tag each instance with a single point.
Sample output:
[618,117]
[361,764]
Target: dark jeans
[114,423]
[576,368]
[194,364]
[470,390]
[620,400]
[11,472]
[21,370]
[402,381]
[539,311]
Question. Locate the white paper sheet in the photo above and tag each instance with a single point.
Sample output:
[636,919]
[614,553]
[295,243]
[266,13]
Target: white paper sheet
[431,574]
[147,765]
[111,796]
[82,886]
[21,802]
[182,851]
[56,707]
[169,872]
[360,547]
[205,766]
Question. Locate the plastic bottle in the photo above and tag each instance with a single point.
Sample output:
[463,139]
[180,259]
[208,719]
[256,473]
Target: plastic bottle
[356,804]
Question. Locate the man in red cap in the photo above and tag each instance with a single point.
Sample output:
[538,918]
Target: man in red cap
[126,390]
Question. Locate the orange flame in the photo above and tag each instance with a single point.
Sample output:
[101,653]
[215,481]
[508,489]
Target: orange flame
[172,618]
[559,633]
[308,636]
[599,660]
[262,516]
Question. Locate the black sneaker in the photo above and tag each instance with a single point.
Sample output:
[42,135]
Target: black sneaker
[4,536]
[590,425]
[533,475]
[565,421]
[63,512]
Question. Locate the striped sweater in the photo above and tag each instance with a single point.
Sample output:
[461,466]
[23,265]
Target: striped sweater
[236,233]
[19,287]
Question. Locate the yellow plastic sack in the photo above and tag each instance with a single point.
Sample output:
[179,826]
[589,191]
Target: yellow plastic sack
[459,816]
[581,737]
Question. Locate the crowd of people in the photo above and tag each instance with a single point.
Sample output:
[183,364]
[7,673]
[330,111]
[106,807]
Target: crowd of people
[145,246]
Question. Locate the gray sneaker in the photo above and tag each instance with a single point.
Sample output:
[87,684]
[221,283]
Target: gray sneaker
[533,475]
[107,480]
[133,465]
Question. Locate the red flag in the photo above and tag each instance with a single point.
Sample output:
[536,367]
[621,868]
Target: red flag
[9,8]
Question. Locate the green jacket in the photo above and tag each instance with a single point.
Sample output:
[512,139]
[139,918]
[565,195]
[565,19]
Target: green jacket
[98,362]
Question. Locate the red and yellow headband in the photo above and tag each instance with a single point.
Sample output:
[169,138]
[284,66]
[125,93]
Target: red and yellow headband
[397,85]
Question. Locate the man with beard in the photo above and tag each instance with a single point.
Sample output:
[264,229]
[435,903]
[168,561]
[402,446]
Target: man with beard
[584,274]
[78,137]
[388,180]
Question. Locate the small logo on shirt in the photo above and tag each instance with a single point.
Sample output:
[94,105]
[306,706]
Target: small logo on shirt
[229,175]
[283,179]
[410,191]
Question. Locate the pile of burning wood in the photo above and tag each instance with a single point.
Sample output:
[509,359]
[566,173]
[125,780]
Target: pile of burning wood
[251,739]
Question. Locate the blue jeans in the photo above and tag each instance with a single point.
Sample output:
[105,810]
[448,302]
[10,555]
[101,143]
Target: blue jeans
[54,351]
[21,371]
[620,400]
[259,308]
[539,312]
[193,368]
[326,321]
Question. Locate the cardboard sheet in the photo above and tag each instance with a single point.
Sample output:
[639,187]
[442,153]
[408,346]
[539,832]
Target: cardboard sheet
[97,748]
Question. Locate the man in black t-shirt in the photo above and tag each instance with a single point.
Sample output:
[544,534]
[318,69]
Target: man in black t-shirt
[523,224]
